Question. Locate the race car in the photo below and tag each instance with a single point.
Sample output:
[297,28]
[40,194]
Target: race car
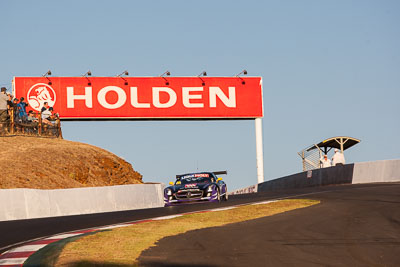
[196,187]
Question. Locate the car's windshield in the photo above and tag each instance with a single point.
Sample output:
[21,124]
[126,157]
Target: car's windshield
[196,178]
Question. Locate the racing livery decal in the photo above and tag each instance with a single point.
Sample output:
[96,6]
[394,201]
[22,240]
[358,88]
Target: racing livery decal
[196,187]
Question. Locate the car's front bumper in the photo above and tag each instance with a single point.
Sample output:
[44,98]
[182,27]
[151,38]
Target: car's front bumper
[174,201]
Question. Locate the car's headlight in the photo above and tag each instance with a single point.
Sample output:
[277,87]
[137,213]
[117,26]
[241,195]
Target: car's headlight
[168,191]
[210,189]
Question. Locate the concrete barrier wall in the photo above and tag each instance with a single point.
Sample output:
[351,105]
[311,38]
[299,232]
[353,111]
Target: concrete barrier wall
[318,177]
[377,171]
[363,172]
[16,204]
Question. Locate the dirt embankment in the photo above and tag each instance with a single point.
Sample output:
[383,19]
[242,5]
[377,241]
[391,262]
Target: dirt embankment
[44,163]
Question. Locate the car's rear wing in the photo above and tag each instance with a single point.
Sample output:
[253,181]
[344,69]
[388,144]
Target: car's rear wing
[220,172]
[178,176]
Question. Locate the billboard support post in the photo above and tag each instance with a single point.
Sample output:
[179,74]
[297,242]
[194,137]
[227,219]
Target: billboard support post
[259,150]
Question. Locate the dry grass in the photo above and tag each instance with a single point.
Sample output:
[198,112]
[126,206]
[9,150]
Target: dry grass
[45,163]
[124,245]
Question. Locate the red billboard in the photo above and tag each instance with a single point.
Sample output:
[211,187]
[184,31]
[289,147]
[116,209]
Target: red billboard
[144,97]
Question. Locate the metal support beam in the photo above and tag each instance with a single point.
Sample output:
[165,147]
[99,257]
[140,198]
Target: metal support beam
[259,150]
[341,145]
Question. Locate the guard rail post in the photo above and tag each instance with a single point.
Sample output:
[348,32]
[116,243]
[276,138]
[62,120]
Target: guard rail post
[40,124]
[59,128]
[12,121]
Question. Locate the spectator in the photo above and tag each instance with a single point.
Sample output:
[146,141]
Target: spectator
[3,104]
[46,113]
[32,122]
[325,162]
[15,108]
[31,117]
[53,118]
[338,158]
[22,109]
[9,103]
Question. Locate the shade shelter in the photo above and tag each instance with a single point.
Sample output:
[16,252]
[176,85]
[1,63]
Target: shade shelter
[311,155]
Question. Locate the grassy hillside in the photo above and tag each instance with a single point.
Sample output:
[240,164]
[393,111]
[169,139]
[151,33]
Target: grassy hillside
[44,163]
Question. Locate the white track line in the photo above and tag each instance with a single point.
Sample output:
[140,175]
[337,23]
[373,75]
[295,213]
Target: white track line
[166,217]
[27,248]
[264,202]
[113,226]
[12,261]
[62,236]
[221,209]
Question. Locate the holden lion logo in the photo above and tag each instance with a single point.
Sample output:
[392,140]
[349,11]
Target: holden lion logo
[40,93]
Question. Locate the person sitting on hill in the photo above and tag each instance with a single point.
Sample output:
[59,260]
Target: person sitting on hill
[47,113]
[32,122]
[31,117]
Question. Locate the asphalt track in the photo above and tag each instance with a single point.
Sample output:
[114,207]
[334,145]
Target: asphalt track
[356,222]
[353,226]
[17,232]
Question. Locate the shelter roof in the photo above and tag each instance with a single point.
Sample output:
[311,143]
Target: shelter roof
[335,142]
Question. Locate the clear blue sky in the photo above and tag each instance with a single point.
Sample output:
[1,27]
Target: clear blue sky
[329,68]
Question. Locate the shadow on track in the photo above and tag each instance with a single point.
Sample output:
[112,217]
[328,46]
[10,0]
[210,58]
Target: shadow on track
[352,226]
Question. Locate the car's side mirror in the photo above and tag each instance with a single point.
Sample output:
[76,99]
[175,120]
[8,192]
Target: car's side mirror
[219,179]
[178,182]
[171,183]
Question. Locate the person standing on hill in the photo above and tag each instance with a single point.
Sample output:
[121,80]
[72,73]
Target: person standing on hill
[9,103]
[3,104]
[15,108]
[338,158]
[22,115]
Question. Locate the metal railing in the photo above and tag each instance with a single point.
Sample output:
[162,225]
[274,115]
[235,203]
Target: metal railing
[311,158]
[32,125]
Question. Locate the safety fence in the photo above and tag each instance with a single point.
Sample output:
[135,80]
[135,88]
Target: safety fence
[31,125]
[311,158]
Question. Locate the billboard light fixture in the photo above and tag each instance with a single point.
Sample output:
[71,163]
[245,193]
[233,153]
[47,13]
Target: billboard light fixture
[203,73]
[125,72]
[46,76]
[167,73]
[48,73]
[244,72]
[88,73]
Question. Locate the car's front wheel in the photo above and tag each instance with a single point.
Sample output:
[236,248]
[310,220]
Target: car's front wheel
[218,196]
